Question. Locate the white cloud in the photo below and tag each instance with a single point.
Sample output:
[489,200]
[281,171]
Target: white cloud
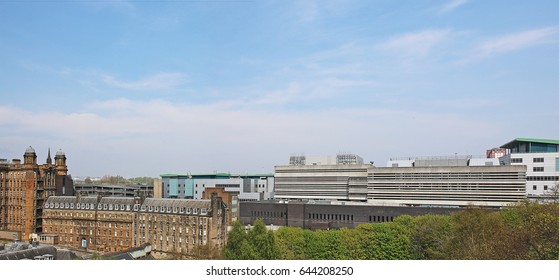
[161,81]
[313,10]
[512,42]
[451,6]
[416,44]
[135,138]
[516,41]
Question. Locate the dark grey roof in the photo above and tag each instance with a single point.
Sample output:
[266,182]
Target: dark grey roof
[117,200]
[62,254]
[88,199]
[29,253]
[61,199]
[30,150]
[135,253]
[60,153]
[179,203]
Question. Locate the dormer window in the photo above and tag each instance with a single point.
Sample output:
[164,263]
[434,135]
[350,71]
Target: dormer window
[150,208]
[78,206]
[203,211]
[182,210]
[168,209]
[46,205]
[72,205]
[67,205]
[105,207]
[128,207]
[56,205]
[189,210]
[111,207]
[87,206]
[99,206]
[156,208]
[91,206]
[175,210]
[195,211]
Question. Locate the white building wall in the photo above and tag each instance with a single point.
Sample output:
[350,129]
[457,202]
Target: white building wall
[537,181]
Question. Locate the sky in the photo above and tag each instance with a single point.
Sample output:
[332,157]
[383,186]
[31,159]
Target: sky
[143,88]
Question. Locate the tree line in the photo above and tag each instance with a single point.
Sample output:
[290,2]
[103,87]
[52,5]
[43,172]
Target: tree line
[526,231]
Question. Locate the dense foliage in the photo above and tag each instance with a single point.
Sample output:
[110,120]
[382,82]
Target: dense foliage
[526,231]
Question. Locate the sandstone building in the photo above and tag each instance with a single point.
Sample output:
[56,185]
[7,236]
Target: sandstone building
[112,224]
[24,187]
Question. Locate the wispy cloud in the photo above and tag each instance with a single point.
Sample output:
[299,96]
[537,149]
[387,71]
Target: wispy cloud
[313,10]
[412,47]
[214,136]
[517,41]
[416,43]
[451,6]
[512,42]
[161,81]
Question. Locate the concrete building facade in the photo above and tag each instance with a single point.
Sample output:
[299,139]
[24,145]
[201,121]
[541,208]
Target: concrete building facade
[440,182]
[451,186]
[541,158]
[231,188]
[321,182]
[118,190]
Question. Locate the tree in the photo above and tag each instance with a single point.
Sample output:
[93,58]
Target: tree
[537,226]
[234,241]
[263,242]
[258,244]
[429,235]
[291,243]
[324,245]
[480,234]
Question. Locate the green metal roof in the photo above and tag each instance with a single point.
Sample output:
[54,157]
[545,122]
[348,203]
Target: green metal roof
[216,175]
[533,140]
[197,175]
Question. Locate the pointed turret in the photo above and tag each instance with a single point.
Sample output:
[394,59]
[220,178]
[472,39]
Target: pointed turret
[49,159]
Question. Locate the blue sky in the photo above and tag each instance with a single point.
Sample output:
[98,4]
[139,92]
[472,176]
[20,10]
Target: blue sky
[141,88]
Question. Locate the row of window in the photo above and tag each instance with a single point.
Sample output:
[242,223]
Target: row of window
[380,219]
[520,160]
[339,217]
[534,187]
[122,207]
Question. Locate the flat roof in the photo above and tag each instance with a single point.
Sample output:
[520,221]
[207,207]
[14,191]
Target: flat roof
[216,175]
[533,140]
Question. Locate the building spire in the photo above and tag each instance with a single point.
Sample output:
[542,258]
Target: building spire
[49,159]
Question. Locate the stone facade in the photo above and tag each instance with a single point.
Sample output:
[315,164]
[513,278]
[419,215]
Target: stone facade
[113,224]
[25,187]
